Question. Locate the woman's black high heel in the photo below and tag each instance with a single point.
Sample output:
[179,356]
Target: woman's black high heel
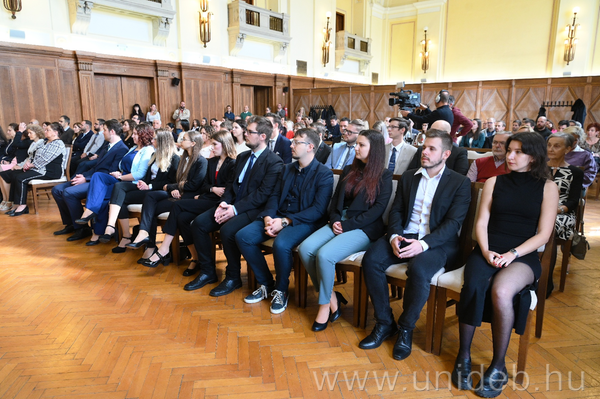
[340,299]
[190,272]
[86,220]
[104,238]
[118,249]
[164,259]
[136,245]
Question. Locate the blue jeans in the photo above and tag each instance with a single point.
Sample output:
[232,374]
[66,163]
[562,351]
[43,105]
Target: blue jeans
[322,250]
[249,239]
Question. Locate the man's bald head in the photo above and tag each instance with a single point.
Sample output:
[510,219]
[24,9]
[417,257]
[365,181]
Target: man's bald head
[441,125]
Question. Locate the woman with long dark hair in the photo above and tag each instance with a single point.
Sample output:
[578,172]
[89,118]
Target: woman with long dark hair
[220,170]
[8,150]
[355,220]
[475,138]
[505,262]
[238,131]
[190,176]
[127,136]
[137,110]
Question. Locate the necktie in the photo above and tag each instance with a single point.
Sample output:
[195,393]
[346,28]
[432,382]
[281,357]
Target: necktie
[246,177]
[392,164]
[343,163]
[272,145]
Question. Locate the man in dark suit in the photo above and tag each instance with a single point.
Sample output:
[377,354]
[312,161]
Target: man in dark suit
[68,195]
[67,136]
[297,208]
[442,111]
[430,205]
[255,178]
[323,150]
[81,141]
[278,143]
[94,146]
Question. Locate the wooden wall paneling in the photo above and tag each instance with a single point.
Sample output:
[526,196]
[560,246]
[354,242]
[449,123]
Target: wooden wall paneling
[67,84]
[8,107]
[136,91]
[381,108]
[340,100]
[494,103]
[247,95]
[466,101]
[511,105]
[528,101]
[237,101]
[562,93]
[360,107]
[593,106]
[109,99]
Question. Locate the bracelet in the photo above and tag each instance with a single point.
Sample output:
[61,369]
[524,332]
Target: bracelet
[514,252]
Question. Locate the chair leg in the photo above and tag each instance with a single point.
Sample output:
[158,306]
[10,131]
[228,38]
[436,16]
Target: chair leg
[430,319]
[356,311]
[364,301]
[34,194]
[523,348]
[440,317]
[565,264]
[175,245]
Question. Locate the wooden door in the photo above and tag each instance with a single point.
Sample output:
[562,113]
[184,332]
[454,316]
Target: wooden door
[136,91]
[247,99]
[262,96]
[108,97]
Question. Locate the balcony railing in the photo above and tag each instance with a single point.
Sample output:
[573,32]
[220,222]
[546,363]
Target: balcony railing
[353,47]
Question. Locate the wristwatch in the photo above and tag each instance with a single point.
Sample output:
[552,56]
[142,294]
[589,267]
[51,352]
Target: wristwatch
[514,252]
[284,222]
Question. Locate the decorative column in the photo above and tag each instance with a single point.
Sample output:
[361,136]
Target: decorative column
[86,85]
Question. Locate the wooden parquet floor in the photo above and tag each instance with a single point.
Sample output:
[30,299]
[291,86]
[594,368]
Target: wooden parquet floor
[82,322]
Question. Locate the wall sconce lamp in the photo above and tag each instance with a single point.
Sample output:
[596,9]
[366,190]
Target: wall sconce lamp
[204,22]
[425,52]
[326,41]
[571,41]
[13,6]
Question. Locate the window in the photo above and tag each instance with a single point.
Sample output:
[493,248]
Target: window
[340,22]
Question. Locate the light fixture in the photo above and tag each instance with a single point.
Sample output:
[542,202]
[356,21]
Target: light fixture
[571,41]
[326,41]
[204,22]
[425,52]
[13,6]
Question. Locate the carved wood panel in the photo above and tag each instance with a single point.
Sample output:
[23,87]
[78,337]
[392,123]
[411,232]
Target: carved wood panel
[466,101]
[382,107]
[360,106]
[593,109]
[341,104]
[136,91]
[528,101]
[494,103]
[108,97]
[247,93]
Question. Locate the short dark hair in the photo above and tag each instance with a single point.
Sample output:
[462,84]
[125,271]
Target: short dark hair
[311,136]
[451,99]
[263,125]
[114,125]
[66,118]
[446,139]
[563,122]
[333,118]
[185,125]
[276,118]
[518,121]
[101,122]
[344,119]
[534,145]
[402,123]
[88,123]
[530,121]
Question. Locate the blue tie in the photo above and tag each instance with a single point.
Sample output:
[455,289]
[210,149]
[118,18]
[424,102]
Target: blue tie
[392,164]
[246,177]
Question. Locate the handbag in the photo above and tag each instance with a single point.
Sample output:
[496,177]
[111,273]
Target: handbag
[580,245]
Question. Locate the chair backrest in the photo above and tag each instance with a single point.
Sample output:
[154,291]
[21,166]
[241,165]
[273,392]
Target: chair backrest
[472,155]
[67,162]
[467,232]
[386,213]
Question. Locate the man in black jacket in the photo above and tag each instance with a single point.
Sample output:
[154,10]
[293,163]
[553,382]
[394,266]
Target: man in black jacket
[430,205]
[67,136]
[81,141]
[256,174]
[442,111]
[297,208]
[541,128]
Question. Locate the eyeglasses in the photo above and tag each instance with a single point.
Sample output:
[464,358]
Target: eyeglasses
[349,132]
[394,127]
[252,132]
[295,142]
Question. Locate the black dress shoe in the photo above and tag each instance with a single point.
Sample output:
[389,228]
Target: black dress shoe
[141,260]
[190,272]
[200,282]
[461,375]
[318,326]
[118,250]
[403,346]
[80,234]
[165,260]
[9,212]
[227,286]
[25,211]
[91,243]
[86,220]
[379,334]
[104,238]
[136,245]
[491,383]
[68,229]
[336,315]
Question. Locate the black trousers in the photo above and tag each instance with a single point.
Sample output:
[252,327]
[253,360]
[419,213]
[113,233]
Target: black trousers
[203,225]
[421,269]
[18,180]
[183,213]
[155,203]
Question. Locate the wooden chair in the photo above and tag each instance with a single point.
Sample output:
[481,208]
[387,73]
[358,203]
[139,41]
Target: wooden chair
[450,284]
[40,186]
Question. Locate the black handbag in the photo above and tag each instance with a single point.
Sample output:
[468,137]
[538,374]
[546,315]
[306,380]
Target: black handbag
[580,245]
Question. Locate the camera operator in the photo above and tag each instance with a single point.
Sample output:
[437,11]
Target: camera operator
[442,111]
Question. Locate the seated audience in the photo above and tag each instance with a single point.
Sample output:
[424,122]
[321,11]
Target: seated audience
[592,142]
[483,168]
[239,131]
[475,138]
[207,148]
[8,150]
[562,125]
[68,133]
[137,111]
[229,113]
[36,136]
[541,128]
[580,157]
[128,130]
[355,220]
[47,164]
[190,176]
[342,154]
[516,125]
[152,115]
[22,144]
[132,167]
[297,208]
[195,125]
[91,150]
[382,128]
[505,261]
[81,141]
[398,154]
[323,150]
[278,143]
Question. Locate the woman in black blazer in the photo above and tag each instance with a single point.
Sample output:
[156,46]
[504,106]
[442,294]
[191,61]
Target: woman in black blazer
[190,176]
[8,150]
[162,170]
[355,220]
[221,170]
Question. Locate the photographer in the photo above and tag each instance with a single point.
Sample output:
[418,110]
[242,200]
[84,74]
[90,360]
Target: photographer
[442,112]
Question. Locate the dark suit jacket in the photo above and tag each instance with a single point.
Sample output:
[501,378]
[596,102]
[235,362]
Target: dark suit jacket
[108,161]
[9,149]
[315,194]
[259,186]
[442,113]
[283,149]
[194,180]
[22,146]
[323,152]
[224,178]
[448,209]
[361,215]
[67,136]
[162,178]
[458,160]
[79,144]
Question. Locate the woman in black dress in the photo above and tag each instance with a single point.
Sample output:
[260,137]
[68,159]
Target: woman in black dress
[516,217]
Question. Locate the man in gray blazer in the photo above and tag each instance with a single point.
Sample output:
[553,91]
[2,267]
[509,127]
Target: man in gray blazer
[398,154]
[342,154]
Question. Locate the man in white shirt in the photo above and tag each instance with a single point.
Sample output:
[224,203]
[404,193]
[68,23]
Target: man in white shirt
[398,154]
[430,205]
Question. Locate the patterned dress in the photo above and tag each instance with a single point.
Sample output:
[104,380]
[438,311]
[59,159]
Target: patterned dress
[569,180]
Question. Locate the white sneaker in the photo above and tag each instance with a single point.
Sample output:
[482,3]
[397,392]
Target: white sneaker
[279,302]
[258,295]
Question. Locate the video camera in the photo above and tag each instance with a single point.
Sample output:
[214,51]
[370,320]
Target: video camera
[406,99]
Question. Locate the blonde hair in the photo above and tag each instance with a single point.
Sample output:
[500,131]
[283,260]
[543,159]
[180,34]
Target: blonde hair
[226,140]
[37,129]
[165,149]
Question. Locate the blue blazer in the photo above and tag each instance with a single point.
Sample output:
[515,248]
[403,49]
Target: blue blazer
[336,152]
[79,144]
[283,149]
[477,141]
[314,195]
[108,161]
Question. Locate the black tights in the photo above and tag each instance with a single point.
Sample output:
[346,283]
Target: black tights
[507,283]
